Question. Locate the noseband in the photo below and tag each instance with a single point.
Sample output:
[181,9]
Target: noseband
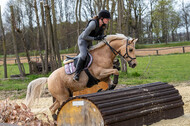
[126,55]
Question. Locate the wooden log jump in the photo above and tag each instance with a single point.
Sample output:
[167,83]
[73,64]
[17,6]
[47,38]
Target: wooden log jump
[133,106]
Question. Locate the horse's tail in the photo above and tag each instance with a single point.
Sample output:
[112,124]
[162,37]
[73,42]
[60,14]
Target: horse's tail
[34,90]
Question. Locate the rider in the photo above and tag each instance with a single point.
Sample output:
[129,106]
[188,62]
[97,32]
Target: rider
[94,31]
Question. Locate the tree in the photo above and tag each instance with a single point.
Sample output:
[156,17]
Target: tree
[4,46]
[44,38]
[151,21]
[60,10]
[120,9]
[186,18]
[174,24]
[51,44]
[22,74]
[38,35]
[29,17]
[55,34]
[162,15]
[112,12]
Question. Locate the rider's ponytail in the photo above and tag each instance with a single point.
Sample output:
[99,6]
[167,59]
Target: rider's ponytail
[95,17]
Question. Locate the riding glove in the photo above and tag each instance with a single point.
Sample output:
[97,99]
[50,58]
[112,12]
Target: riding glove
[100,37]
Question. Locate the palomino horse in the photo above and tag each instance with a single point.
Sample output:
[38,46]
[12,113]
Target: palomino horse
[61,85]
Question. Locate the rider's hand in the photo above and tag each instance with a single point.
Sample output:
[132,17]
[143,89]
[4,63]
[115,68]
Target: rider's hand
[100,37]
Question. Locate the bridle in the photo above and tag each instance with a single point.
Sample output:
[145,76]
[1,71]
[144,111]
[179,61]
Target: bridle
[126,55]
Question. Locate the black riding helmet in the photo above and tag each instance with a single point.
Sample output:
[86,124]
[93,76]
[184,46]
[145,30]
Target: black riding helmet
[104,14]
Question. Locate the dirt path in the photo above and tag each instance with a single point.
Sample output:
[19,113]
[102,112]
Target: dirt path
[184,89]
[161,51]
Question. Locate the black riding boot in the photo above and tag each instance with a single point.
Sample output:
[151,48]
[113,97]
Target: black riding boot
[79,68]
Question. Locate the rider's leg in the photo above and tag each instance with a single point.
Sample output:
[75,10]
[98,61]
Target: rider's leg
[79,68]
[83,53]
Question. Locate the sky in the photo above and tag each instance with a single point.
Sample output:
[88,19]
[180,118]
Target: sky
[3,4]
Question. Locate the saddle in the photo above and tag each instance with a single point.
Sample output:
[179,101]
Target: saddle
[71,62]
[70,68]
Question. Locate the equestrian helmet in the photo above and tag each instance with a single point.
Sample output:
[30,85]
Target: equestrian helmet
[104,14]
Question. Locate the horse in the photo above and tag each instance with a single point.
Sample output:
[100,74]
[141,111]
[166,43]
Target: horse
[61,85]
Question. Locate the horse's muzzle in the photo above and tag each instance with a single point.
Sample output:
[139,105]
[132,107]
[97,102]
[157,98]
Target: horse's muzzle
[132,65]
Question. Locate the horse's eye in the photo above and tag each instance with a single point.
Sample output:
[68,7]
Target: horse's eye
[130,50]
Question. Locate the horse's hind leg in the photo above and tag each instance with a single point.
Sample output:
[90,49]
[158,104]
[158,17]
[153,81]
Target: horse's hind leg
[55,102]
[60,98]
[52,109]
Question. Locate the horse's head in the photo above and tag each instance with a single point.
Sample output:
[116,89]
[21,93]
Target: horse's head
[127,51]
[122,45]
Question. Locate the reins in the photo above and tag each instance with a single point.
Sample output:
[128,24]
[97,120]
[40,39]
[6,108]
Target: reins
[126,55]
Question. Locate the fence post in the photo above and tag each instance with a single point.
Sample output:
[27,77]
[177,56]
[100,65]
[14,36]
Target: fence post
[183,49]
[157,52]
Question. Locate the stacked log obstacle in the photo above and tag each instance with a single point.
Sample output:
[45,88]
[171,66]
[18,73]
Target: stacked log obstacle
[132,106]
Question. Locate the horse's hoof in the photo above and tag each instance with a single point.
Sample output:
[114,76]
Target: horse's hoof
[54,117]
[112,87]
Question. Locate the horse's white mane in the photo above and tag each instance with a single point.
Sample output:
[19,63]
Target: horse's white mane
[110,38]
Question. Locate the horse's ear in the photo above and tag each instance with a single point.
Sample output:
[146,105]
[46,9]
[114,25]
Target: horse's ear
[135,40]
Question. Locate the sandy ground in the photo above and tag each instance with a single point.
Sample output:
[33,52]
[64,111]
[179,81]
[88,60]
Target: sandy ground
[185,119]
[184,89]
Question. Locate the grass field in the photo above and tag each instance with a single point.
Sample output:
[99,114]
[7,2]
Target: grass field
[166,68]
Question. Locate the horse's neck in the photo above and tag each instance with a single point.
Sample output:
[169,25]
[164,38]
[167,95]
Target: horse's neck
[105,53]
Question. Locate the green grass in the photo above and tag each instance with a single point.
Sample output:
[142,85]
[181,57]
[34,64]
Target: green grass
[12,69]
[167,68]
[172,44]
[16,84]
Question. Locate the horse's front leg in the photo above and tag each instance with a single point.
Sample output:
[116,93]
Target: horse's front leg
[107,72]
[105,76]
[112,83]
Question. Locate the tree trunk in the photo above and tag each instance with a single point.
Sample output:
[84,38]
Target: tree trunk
[4,46]
[50,39]
[185,17]
[129,15]
[55,34]
[22,74]
[173,36]
[80,5]
[78,23]
[26,50]
[38,36]
[120,17]
[107,5]
[76,16]
[112,12]
[187,30]
[151,22]
[104,4]
[60,11]
[44,38]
